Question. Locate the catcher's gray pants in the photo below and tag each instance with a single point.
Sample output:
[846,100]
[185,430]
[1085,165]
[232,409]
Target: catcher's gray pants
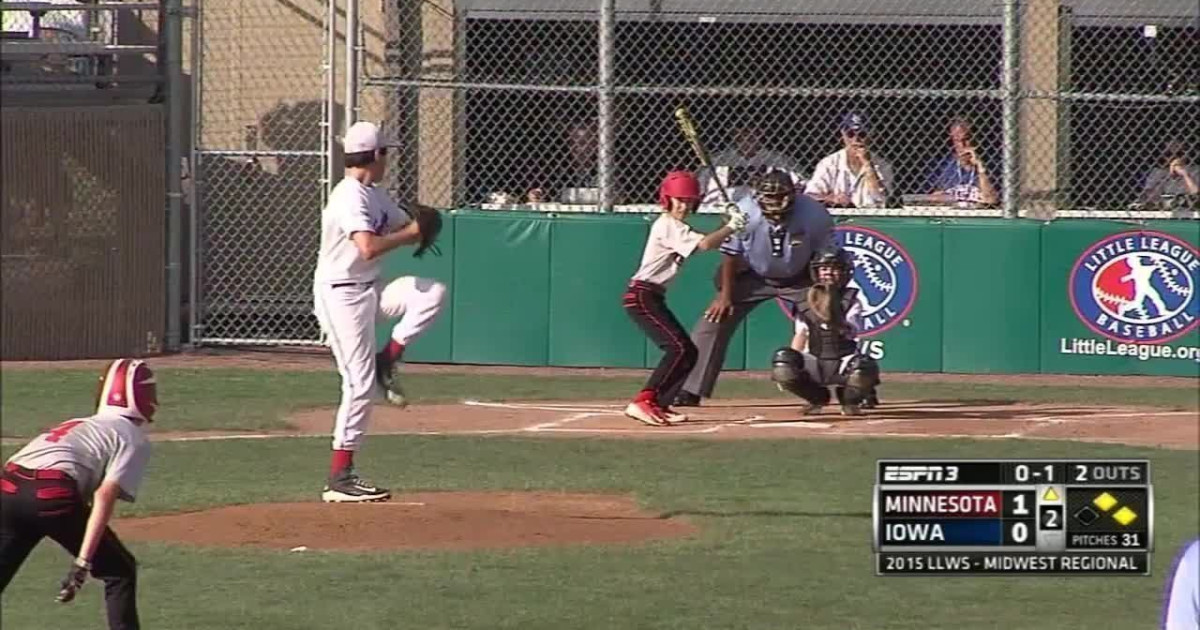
[712,338]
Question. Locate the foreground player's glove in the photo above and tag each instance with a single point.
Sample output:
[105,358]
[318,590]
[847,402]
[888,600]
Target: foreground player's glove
[430,222]
[74,580]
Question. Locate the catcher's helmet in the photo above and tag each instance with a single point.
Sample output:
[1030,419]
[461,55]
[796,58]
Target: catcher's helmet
[833,257]
[128,388]
[775,192]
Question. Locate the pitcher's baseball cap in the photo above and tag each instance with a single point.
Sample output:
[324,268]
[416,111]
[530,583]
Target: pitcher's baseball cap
[853,122]
[363,137]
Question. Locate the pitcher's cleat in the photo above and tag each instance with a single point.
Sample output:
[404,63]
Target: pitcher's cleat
[348,487]
[851,410]
[387,375]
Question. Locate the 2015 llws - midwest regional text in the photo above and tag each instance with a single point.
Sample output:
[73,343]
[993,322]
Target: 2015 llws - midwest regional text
[986,517]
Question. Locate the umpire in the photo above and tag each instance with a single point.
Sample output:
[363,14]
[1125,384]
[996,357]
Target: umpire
[768,260]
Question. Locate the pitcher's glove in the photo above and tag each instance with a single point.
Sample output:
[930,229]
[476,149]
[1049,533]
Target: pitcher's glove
[429,220]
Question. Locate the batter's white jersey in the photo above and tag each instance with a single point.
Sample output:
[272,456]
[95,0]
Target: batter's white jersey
[354,207]
[671,241]
[104,447]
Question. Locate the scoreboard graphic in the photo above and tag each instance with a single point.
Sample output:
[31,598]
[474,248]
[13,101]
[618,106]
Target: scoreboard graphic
[982,517]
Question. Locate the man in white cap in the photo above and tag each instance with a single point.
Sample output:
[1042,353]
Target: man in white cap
[359,225]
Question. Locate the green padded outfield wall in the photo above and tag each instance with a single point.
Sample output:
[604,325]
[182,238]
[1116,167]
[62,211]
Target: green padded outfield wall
[943,295]
[501,291]
[1094,309]
[990,310]
[591,257]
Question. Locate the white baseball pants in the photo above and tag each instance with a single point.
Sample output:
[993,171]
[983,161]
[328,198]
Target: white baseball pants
[347,315]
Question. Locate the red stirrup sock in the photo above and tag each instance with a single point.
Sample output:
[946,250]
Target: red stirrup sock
[340,461]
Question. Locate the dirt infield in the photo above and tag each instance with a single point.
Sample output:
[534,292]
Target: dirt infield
[744,419]
[434,520]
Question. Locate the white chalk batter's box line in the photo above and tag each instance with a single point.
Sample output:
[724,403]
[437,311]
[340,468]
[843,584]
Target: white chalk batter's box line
[753,421]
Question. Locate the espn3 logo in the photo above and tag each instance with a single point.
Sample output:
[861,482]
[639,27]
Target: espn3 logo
[919,473]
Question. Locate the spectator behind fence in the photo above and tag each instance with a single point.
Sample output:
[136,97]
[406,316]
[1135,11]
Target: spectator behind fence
[739,166]
[1174,177]
[577,180]
[962,176]
[852,176]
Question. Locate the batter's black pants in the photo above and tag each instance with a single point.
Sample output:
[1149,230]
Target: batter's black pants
[647,305]
[46,503]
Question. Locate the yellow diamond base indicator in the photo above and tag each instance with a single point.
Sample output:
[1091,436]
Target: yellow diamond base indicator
[1050,496]
[1105,502]
[1125,516]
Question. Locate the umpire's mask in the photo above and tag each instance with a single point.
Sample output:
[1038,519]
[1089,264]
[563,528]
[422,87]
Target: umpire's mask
[775,193]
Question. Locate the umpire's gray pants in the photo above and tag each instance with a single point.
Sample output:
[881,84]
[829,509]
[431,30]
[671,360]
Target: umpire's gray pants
[712,338]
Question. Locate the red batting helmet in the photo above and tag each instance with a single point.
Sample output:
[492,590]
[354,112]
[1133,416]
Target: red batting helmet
[129,389]
[680,185]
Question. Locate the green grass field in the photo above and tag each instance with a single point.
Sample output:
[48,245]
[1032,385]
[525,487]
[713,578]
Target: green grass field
[785,524]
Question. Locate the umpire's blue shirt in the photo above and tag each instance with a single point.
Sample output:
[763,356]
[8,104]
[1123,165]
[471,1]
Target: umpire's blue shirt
[781,251]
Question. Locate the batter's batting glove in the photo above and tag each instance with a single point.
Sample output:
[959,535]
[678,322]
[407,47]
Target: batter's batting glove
[737,218]
[430,222]
[74,580]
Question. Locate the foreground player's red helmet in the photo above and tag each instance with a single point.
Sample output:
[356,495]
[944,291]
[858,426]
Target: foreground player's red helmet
[680,185]
[128,388]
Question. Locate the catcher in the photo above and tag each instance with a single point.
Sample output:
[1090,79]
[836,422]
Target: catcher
[824,350]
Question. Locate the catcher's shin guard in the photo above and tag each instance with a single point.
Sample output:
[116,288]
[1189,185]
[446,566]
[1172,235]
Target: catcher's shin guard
[787,370]
[862,375]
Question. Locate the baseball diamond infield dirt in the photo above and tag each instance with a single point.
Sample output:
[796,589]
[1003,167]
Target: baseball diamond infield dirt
[470,520]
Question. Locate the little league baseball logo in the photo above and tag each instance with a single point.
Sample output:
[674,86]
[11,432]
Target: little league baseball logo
[1137,287]
[884,275]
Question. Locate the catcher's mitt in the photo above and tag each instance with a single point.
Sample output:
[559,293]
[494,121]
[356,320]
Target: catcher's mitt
[430,222]
[826,303]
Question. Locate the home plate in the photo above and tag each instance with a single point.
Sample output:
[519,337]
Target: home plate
[794,423]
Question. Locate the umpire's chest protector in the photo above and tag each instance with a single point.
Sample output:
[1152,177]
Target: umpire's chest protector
[772,251]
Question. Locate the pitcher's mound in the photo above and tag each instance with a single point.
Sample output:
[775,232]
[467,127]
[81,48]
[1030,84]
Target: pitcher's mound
[436,520]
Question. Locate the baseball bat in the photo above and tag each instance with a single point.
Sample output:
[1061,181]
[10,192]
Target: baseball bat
[688,127]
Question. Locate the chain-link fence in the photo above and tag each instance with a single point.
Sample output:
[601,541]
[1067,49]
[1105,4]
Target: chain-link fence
[999,107]
[1036,106]
[85,129]
[264,111]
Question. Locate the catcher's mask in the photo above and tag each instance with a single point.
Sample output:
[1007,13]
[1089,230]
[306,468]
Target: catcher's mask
[128,388]
[775,193]
[837,265]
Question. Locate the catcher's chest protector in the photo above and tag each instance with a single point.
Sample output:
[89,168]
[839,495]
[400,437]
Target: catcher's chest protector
[823,342]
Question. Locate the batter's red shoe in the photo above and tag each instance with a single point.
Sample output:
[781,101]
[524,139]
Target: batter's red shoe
[646,412]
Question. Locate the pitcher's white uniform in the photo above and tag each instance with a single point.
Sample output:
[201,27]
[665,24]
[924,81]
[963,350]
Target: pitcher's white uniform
[349,296]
